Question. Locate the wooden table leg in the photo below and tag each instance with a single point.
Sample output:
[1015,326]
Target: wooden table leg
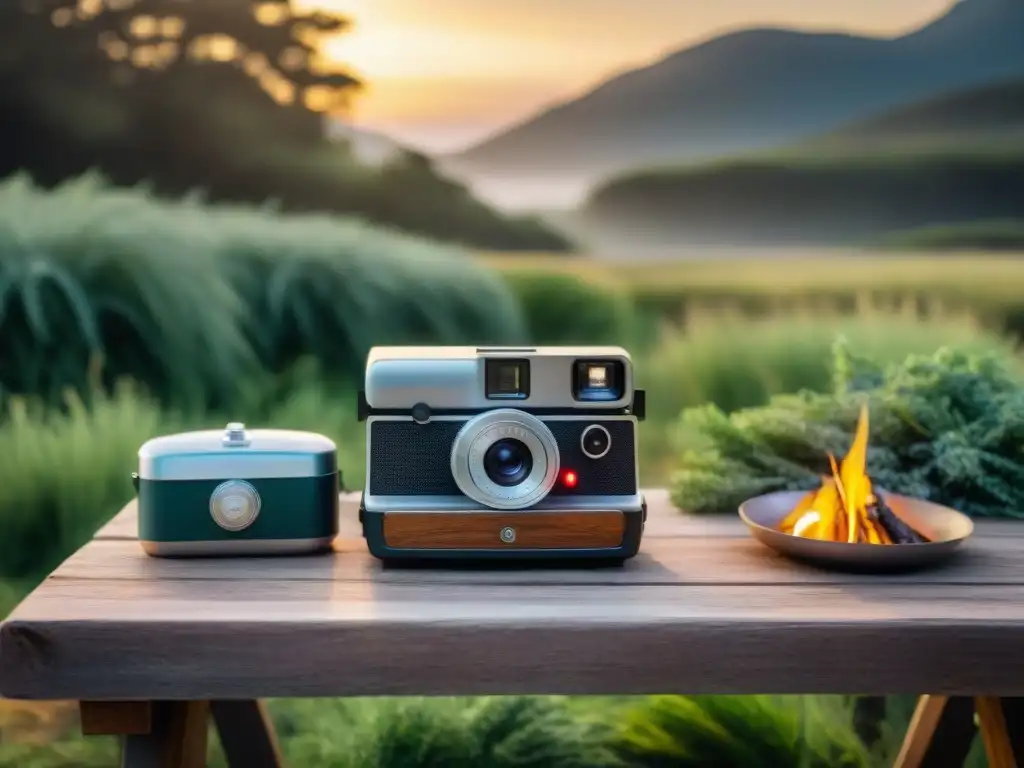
[1002,729]
[158,734]
[247,734]
[177,738]
[940,734]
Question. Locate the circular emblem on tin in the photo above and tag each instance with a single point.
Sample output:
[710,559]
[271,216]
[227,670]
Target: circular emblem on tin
[508,534]
[234,505]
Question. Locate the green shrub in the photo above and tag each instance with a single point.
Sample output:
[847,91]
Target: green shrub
[564,309]
[733,362]
[945,427]
[189,300]
[498,732]
[531,732]
[740,732]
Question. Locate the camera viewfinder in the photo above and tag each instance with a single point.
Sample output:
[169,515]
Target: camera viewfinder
[598,380]
[507,379]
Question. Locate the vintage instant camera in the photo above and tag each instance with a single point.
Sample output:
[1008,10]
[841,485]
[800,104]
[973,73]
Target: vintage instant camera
[237,492]
[501,453]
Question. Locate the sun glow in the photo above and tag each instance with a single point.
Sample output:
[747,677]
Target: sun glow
[490,62]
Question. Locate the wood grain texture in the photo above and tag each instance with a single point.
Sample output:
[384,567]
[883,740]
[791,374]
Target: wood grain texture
[940,733]
[664,521]
[230,639]
[708,612]
[541,530]
[665,561]
[994,734]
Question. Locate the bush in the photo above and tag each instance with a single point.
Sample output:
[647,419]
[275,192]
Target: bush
[734,362]
[190,300]
[945,427]
[563,309]
[740,732]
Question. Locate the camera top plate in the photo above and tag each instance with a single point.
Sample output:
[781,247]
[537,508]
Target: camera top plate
[473,379]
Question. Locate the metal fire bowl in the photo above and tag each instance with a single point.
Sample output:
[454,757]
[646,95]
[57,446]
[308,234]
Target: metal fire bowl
[945,528]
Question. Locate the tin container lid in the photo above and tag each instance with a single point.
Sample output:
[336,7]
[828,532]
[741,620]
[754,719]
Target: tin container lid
[236,452]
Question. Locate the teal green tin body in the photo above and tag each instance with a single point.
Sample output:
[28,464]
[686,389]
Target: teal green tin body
[237,492]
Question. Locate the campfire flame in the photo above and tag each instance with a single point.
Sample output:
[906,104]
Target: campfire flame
[845,508]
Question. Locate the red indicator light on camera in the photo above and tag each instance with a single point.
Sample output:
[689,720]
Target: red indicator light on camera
[569,479]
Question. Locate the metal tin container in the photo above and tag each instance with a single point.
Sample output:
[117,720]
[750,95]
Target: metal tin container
[237,492]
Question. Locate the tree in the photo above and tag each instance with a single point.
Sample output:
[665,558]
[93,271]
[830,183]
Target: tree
[167,90]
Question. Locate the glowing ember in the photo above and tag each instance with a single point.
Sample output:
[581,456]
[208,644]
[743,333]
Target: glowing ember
[845,507]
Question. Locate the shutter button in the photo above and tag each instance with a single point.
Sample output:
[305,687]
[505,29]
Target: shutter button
[235,504]
[235,435]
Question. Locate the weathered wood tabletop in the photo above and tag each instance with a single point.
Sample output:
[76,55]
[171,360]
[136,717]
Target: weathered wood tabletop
[703,608]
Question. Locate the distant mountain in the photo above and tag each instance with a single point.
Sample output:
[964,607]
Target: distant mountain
[951,161]
[752,90]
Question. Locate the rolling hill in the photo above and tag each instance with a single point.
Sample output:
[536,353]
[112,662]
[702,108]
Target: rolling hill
[980,117]
[952,161]
[751,90]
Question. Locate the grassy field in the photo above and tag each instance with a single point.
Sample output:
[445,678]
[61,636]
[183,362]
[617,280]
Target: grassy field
[990,286]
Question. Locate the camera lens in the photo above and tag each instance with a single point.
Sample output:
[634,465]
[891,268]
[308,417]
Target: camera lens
[505,459]
[508,462]
[595,441]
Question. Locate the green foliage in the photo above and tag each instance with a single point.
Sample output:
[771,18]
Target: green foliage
[735,362]
[987,286]
[562,309]
[740,732]
[946,427]
[531,732]
[500,732]
[190,300]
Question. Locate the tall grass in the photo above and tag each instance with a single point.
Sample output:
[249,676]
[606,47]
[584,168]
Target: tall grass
[532,732]
[190,300]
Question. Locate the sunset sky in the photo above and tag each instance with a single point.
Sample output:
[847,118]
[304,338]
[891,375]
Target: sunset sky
[444,73]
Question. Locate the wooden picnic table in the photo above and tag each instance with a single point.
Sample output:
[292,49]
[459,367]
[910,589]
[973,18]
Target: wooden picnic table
[153,647]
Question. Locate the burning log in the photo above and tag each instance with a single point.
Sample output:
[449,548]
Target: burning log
[845,508]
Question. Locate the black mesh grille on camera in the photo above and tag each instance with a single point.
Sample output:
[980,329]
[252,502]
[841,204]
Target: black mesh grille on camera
[413,459]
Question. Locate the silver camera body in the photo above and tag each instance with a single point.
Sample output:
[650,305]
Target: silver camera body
[501,452]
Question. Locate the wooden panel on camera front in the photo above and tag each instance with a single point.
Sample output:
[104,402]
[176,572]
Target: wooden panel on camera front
[483,530]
